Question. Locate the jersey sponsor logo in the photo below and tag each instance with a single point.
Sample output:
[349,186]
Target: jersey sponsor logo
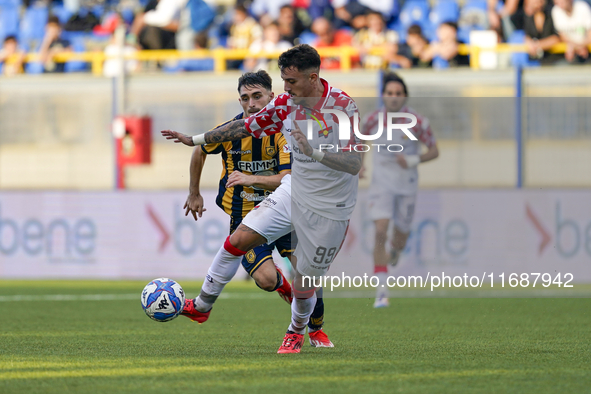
[267,202]
[257,166]
[239,152]
[251,196]
[286,149]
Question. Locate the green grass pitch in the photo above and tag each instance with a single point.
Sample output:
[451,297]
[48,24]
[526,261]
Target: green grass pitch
[97,339]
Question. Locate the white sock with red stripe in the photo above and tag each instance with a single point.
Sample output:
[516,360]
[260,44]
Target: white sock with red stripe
[382,274]
[221,271]
[301,309]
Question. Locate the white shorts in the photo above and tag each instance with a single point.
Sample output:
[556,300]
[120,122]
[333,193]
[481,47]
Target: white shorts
[319,240]
[272,217]
[397,207]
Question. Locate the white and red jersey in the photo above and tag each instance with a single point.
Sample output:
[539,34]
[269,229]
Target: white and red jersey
[327,192]
[386,170]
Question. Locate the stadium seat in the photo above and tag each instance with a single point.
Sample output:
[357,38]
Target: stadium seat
[464,34]
[414,12]
[77,40]
[190,65]
[32,27]
[34,68]
[521,59]
[439,63]
[474,15]
[307,37]
[444,11]
[10,3]
[61,12]
[8,21]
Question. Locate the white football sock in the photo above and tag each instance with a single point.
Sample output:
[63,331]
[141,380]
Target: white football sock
[382,292]
[222,270]
[301,309]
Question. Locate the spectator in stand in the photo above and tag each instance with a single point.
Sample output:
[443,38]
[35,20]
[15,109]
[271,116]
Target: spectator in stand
[320,8]
[271,42]
[508,18]
[329,37]
[352,12]
[540,32]
[268,11]
[349,13]
[446,47]
[244,30]
[290,26]
[407,55]
[156,27]
[572,20]
[53,44]
[10,50]
[374,36]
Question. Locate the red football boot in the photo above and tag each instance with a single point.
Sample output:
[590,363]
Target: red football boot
[292,343]
[193,314]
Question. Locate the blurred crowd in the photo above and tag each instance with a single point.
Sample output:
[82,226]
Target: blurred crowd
[385,33]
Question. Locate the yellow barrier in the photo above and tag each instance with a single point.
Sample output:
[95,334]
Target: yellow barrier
[220,55]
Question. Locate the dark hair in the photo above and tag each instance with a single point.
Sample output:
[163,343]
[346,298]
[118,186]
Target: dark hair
[241,8]
[11,37]
[301,57]
[259,78]
[372,12]
[53,19]
[202,40]
[452,25]
[415,29]
[393,77]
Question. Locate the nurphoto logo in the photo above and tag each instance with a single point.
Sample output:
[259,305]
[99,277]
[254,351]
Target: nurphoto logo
[345,130]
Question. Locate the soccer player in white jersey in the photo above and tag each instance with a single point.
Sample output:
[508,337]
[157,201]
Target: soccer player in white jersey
[394,182]
[324,186]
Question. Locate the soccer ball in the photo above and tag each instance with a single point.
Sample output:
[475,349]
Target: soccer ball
[163,299]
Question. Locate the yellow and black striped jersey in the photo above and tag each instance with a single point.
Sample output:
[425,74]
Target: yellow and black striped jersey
[252,156]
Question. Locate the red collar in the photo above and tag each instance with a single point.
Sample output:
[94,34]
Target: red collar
[320,103]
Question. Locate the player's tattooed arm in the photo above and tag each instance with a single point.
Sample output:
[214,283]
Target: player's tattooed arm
[349,162]
[230,131]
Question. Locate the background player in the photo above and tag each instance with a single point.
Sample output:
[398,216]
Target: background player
[251,168]
[325,192]
[394,182]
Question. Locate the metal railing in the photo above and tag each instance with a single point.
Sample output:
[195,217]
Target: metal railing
[345,54]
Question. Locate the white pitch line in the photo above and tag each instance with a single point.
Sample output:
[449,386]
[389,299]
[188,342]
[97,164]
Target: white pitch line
[550,293]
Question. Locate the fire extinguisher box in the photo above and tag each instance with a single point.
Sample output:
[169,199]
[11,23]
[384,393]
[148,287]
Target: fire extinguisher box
[134,145]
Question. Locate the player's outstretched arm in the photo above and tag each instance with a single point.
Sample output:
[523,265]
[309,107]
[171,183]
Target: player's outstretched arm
[230,131]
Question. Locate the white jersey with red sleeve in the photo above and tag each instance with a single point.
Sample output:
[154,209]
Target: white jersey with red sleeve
[386,170]
[327,192]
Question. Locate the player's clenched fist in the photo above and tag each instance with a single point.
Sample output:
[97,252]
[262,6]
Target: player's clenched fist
[177,137]
[238,178]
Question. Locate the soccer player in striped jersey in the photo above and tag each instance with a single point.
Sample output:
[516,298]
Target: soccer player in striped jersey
[252,168]
[394,182]
[324,185]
